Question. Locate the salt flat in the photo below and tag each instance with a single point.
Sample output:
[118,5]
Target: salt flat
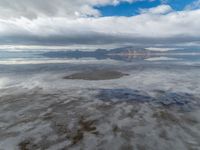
[155,104]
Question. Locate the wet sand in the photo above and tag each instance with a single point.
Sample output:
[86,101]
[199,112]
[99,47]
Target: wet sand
[96,75]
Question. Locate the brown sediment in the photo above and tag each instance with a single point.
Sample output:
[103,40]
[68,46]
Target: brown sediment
[77,137]
[163,134]
[85,126]
[165,116]
[96,75]
[115,129]
[26,145]
[141,147]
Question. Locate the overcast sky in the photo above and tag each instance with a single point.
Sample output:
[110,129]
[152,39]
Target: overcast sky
[96,22]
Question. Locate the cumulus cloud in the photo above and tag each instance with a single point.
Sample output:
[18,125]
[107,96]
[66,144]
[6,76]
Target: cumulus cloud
[162,9]
[53,8]
[70,22]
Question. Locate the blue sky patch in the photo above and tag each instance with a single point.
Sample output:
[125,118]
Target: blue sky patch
[179,4]
[131,9]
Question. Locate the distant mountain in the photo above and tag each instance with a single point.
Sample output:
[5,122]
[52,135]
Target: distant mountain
[123,53]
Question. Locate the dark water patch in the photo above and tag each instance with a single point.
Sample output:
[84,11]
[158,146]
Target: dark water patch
[184,101]
[96,75]
[172,98]
[163,98]
[117,95]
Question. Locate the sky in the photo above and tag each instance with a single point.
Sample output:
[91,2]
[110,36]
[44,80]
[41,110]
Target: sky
[99,22]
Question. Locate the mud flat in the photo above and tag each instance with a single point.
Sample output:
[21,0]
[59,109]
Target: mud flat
[96,75]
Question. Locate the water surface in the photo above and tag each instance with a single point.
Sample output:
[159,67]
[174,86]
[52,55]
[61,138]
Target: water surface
[52,103]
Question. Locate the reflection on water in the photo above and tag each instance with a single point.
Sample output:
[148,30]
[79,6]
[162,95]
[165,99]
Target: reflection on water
[126,54]
[148,100]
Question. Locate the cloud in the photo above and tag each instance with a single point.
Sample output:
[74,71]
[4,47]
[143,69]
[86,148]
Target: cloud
[162,9]
[194,5]
[70,23]
[53,8]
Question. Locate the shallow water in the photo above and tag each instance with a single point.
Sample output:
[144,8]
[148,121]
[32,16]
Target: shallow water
[154,106]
